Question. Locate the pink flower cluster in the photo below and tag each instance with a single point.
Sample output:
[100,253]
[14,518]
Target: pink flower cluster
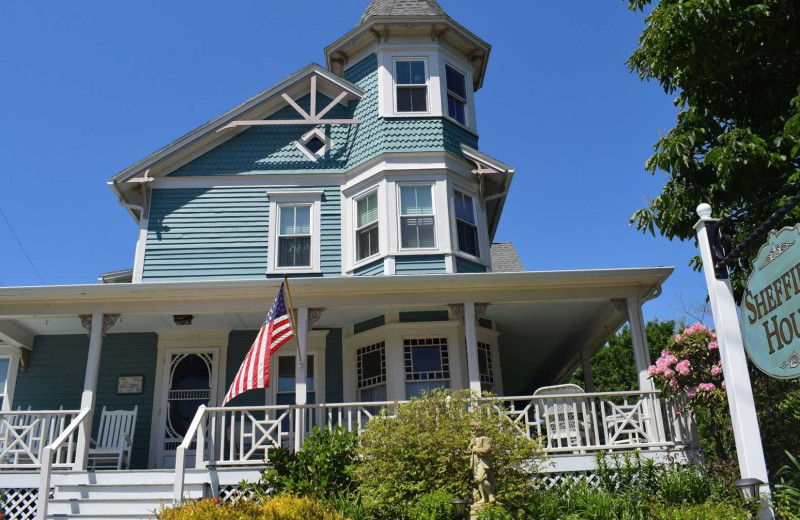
[663,365]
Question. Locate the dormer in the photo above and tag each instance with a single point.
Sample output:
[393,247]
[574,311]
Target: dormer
[428,65]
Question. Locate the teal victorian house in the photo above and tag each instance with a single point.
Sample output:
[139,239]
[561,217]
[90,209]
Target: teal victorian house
[363,181]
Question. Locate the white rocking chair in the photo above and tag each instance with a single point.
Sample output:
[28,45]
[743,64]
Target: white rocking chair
[112,449]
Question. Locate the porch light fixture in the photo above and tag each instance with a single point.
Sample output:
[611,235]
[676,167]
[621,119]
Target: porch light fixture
[183,319]
[460,509]
[747,488]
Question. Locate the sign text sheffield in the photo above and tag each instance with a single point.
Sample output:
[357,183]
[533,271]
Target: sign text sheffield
[771,304]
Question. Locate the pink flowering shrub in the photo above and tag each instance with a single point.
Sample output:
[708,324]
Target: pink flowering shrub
[691,367]
[691,371]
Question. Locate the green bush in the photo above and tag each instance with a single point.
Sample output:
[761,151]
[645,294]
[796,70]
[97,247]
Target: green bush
[493,512]
[322,468]
[423,448]
[280,508]
[433,506]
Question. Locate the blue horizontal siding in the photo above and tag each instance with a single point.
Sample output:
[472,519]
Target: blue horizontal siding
[369,324]
[428,264]
[334,387]
[222,233]
[466,266]
[207,234]
[55,373]
[372,269]
[423,316]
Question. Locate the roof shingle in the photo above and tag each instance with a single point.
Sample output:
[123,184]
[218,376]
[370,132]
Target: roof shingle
[505,258]
[402,8]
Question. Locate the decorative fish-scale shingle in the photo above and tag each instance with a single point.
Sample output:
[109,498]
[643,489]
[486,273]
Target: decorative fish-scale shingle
[271,148]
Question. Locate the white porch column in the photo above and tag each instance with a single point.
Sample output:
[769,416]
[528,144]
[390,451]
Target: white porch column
[638,335]
[97,324]
[472,348]
[300,386]
[734,365]
[586,362]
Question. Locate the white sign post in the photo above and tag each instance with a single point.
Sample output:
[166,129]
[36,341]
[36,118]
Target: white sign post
[734,366]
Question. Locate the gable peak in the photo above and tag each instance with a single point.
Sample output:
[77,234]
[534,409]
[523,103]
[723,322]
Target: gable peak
[402,8]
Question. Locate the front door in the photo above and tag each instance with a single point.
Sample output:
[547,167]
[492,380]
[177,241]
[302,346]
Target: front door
[190,380]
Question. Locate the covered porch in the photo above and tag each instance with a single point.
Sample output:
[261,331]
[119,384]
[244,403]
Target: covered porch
[170,351]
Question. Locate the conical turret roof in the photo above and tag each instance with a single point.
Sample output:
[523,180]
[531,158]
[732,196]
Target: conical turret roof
[402,8]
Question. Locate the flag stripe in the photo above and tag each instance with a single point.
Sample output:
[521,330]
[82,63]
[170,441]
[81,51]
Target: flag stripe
[274,333]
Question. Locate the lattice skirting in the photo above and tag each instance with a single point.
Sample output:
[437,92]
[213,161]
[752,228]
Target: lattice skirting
[20,503]
[549,480]
[232,493]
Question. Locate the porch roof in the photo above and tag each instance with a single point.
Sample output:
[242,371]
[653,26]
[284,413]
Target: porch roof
[246,296]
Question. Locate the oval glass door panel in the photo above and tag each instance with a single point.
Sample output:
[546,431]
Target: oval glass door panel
[189,387]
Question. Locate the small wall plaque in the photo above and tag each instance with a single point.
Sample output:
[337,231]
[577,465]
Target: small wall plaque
[130,384]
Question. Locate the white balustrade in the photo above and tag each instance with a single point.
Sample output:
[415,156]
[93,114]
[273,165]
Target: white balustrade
[566,423]
[25,433]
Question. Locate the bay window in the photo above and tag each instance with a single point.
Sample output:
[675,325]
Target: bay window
[456,94]
[417,218]
[294,235]
[411,84]
[367,243]
[427,365]
[466,227]
[371,372]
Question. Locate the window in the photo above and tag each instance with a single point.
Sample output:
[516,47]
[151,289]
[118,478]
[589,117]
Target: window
[456,94]
[294,235]
[465,223]
[314,144]
[417,224]
[286,380]
[371,372]
[427,365]
[412,86]
[367,226]
[485,367]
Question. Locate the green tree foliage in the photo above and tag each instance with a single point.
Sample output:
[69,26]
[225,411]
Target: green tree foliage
[614,367]
[422,449]
[734,66]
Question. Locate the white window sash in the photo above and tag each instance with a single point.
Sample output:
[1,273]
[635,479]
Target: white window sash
[431,215]
[282,199]
[424,85]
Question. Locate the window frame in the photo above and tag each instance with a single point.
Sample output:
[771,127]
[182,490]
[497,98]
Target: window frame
[383,378]
[447,93]
[281,207]
[358,230]
[294,198]
[316,346]
[432,186]
[456,220]
[396,85]
[301,143]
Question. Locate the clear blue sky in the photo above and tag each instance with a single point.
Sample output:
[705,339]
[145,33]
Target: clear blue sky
[89,87]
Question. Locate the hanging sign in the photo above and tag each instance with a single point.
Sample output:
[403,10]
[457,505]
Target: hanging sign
[771,306]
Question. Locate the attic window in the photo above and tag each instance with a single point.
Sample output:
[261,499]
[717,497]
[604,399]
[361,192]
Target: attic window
[314,144]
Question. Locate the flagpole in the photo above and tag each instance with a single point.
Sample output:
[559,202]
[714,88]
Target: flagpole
[292,316]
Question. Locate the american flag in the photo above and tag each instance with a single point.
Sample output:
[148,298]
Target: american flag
[276,331]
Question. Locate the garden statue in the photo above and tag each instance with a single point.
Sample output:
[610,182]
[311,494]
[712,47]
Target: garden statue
[479,448]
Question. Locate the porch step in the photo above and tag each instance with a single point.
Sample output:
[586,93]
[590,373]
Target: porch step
[131,494]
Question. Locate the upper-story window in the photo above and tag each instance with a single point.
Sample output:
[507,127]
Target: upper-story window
[465,223]
[456,94]
[367,243]
[417,219]
[294,235]
[294,231]
[411,84]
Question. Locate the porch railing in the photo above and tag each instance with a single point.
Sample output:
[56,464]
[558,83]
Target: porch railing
[566,423]
[59,452]
[25,433]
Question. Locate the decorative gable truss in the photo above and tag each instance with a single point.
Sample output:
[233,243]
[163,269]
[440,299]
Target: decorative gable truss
[253,112]
[312,117]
